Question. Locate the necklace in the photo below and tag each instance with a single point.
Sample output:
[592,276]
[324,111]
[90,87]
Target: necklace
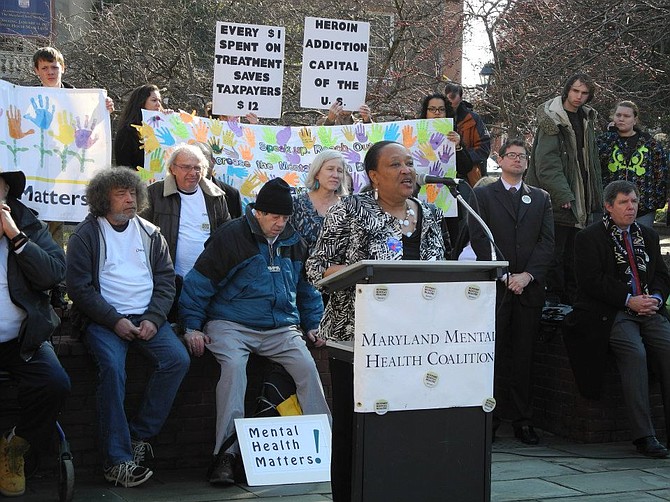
[409,219]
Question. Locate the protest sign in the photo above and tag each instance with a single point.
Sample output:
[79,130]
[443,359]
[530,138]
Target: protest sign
[248,69]
[283,450]
[58,138]
[334,63]
[247,155]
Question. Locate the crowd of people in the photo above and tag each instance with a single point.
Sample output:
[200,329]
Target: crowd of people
[181,268]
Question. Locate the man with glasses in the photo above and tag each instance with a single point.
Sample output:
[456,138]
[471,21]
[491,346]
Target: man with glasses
[522,224]
[565,163]
[187,207]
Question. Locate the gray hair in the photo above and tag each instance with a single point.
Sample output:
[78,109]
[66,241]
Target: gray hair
[191,151]
[107,179]
[317,164]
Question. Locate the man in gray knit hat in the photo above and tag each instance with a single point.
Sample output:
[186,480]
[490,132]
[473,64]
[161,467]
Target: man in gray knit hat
[247,292]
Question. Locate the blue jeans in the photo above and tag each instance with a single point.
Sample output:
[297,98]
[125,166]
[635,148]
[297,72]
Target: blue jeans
[171,362]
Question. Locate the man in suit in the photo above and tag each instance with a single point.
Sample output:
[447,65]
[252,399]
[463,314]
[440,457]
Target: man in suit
[622,286]
[521,220]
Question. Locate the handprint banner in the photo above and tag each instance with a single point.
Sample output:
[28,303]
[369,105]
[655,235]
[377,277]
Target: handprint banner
[334,63]
[249,155]
[248,70]
[58,138]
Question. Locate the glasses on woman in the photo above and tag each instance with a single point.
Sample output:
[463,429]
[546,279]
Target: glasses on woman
[437,109]
[514,156]
[188,169]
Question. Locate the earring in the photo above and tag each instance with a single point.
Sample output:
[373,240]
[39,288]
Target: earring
[376,193]
[316,184]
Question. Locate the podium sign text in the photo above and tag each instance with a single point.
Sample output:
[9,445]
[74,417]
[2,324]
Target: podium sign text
[423,346]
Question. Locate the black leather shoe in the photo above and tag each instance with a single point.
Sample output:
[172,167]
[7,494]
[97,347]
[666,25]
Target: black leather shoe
[222,471]
[650,447]
[526,434]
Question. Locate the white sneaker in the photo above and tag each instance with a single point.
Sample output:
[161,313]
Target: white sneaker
[142,451]
[127,474]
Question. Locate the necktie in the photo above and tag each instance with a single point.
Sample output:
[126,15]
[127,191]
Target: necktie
[633,266]
[512,190]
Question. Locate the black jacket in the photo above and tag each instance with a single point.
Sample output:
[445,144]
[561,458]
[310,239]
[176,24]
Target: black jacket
[165,207]
[85,249]
[601,293]
[31,274]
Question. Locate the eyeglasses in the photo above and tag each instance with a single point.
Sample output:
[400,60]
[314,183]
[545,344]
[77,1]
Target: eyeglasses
[436,109]
[514,156]
[188,169]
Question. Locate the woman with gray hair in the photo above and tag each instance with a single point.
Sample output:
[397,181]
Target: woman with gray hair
[326,183]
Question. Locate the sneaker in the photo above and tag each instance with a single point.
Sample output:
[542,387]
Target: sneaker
[12,476]
[127,474]
[142,451]
[223,470]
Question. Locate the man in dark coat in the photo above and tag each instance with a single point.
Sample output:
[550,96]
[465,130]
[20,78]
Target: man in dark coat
[521,221]
[622,286]
[31,263]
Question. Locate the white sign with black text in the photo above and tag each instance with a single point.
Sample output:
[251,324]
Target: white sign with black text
[284,450]
[248,70]
[423,346]
[334,63]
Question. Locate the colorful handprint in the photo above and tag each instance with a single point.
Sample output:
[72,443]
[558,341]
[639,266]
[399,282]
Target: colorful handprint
[65,136]
[283,136]
[306,137]
[15,132]
[178,126]
[84,139]
[376,133]
[408,138]
[249,137]
[200,131]
[42,117]
[249,185]
[326,137]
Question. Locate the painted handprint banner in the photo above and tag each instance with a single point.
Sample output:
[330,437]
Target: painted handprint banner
[248,70]
[58,138]
[334,63]
[249,155]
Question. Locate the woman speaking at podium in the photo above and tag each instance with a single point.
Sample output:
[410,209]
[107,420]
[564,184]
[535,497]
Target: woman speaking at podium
[383,223]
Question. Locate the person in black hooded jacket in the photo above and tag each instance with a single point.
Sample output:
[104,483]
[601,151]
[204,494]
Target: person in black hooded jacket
[31,263]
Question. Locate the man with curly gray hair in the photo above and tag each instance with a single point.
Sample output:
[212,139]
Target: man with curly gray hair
[120,279]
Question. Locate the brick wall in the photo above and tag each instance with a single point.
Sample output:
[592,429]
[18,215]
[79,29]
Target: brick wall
[187,439]
[558,408]
[188,436]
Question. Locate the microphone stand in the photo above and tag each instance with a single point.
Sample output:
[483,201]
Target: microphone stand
[456,195]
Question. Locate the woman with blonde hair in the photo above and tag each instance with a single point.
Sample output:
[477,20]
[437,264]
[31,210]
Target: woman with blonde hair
[326,184]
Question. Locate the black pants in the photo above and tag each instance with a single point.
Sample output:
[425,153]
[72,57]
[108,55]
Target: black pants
[342,377]
[43,386]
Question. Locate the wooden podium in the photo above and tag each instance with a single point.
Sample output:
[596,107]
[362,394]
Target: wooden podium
[425,455]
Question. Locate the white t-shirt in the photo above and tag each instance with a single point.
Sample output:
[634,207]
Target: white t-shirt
[193,231]
[126,282]
[11,316]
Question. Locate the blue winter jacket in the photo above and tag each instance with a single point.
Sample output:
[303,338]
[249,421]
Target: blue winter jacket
[239,277]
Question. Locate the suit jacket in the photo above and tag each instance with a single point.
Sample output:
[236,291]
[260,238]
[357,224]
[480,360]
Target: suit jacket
[601,293]
[524,235]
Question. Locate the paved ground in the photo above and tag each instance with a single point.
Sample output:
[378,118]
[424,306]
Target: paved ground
[554,471]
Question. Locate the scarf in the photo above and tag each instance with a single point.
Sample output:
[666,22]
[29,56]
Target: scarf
[621,255]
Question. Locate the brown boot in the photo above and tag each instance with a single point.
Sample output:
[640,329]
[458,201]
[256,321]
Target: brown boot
[12,477]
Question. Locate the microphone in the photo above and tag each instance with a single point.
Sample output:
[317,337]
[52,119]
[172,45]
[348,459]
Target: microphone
[427,179]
